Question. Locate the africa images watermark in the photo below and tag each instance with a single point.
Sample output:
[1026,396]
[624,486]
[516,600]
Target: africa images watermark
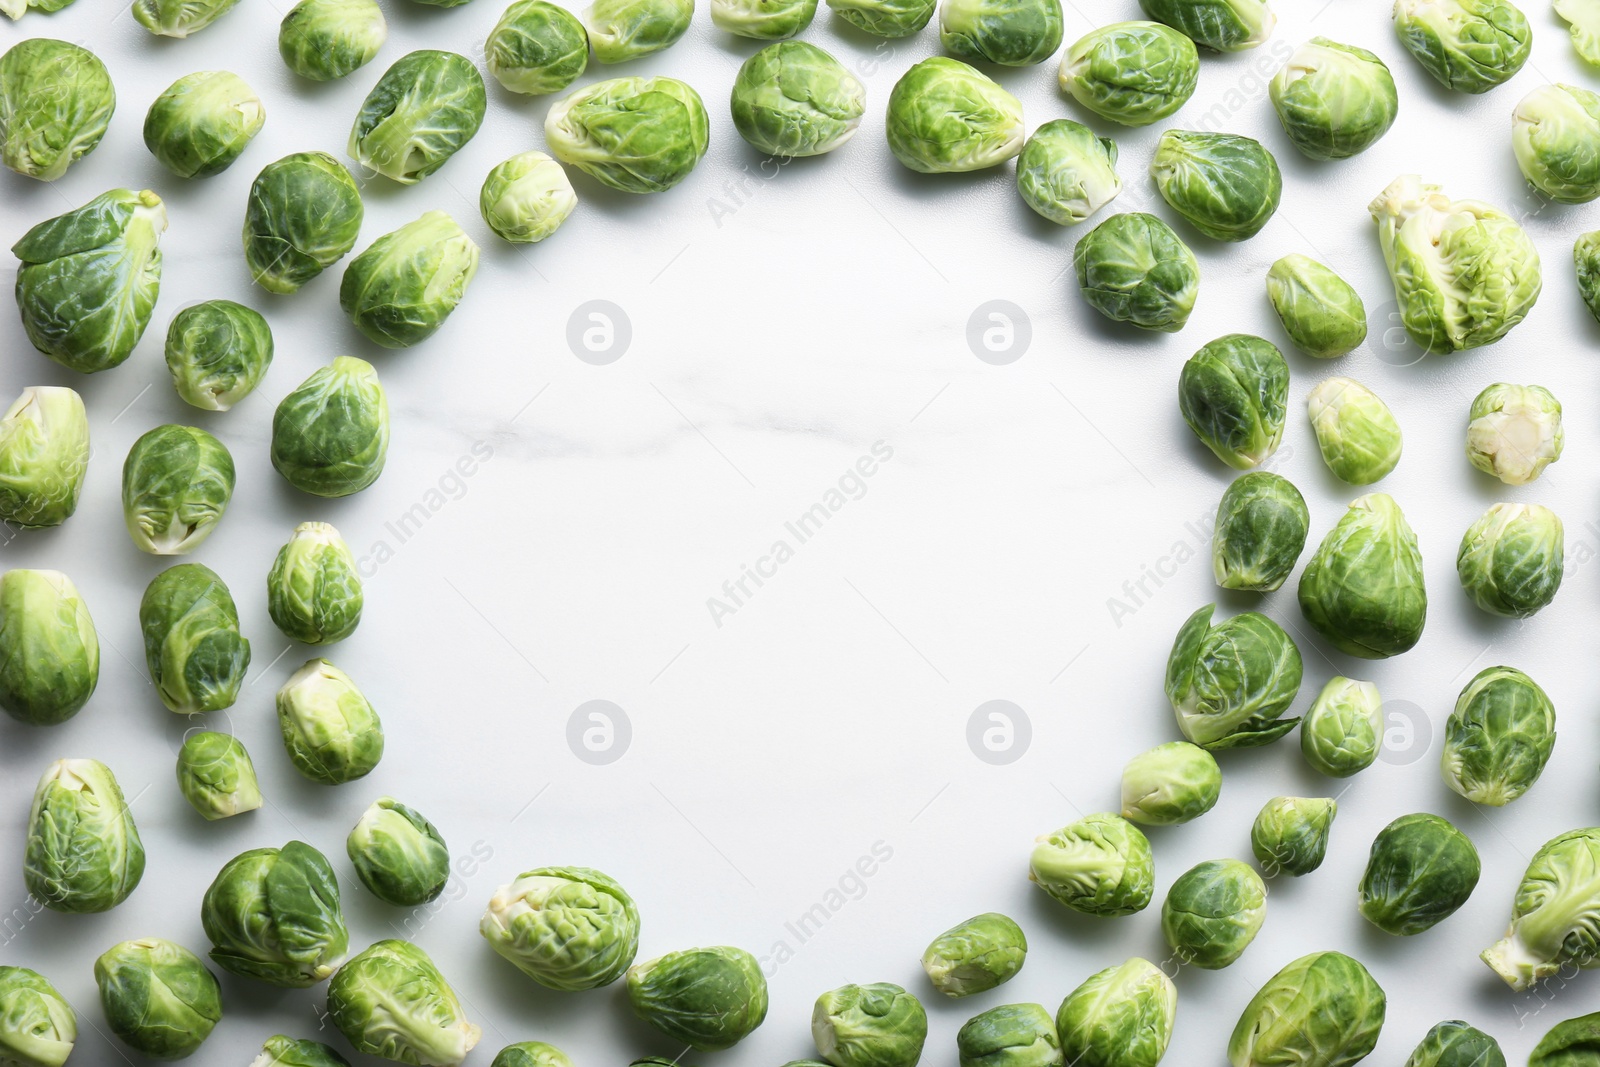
[447,488]
[851,885]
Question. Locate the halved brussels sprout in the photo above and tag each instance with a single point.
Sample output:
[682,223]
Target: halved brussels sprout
[56,101]
[1421,869]
[1568,1043]
[1455,1044]
[1119,1017]
[1212,913]
[83,852]
[975,956]
[1468,45]
[526,198]
[281,1051]
[424,108]
[1583,24]
[878,1025]
[1133,268]
[330,730]
[1012,1035]
[158,997]
[1514,432]
[1322,1010]
[1555,914]
[37,1026]
[391,1001]
[192,645]
[1170,784]
[217,353]
[536,47]
[273,914]
[946,117]
[1334,100]
[1066,173]
[176,484]
[331,435]
[44,455]
[1511,560]
[707,998]
[1290,834]
[1134,73]
[885,18]
[763,20]
[303,215]
[328,39]
[1234,394]
[620,30]
[567,928]
[1363,588]
[202,123]
[314,590]
[49,651]
[1320,312]
[179,18]
[1221,25]
[1224,185]
[405,285]
[1099,865]
[1011,33]
[398,855]
[1261,528]
[1343,731]
[1230,683]
[216,776]
[1555,133]
[636,135]
[531,1054]
[1499,737]
[794,99]
[1356,432]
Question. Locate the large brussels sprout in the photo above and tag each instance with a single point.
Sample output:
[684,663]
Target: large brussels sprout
[1455,1044]
[794,99]
[1499,737]
[217,353]
[37,1026]
[1555,915]
[763,20]
[398,855]
[1066,173]
[1514,432]
[1212,913]
[885,18]
[1170,784]
[1343,731]
[1226,186]
[536,47]
[946,117]
[1464,272]
[620,30]
[1320,312]
[216,776]
[281,1051]
[1099,865]
[179,18]
[1469,45]
[1012,33]
[1420,870]
[636,135]
[328,39]
[83,852]
[49,651]
[89,279]
[1221,25]
[192,645]
[158,997]
[1012,1035]
[391,1001]
[1134,73]
[1234,394]
[1555,133]
[1511,559]
[405,285]
[330,730]
[877,1025]
[1230,683]
[1133,268]
[1322,1010]
[44,455]
[975,956]
[272,914]
[532,1054]
[1356,432]
[526,198]
[707,998]
[1569,1043]
[202,123]
[1119,1017]
[567,928]
[1334,100]
[1290,834]
[1363,588]
[303,215]
[56,101]
[313,590]
[1583,25]
[331,435]
[1261,528]
[424,108]
[176,484]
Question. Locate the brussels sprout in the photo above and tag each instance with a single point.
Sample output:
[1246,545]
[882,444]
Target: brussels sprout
[1234,394]
[1356,432]
[1555,132]
[281,1051]
[636,135]
[89,279]
[1230,683]
[192,645]
[1569,1043]
[217,353]
[567,928]
[707,998]
[44,455]
[330,730]
[1212,913]
[620,30]
[216,776]
[403,287]
[1363,588]
[83,852]
[179,18]
[1119,1017]
[794,99]
[158,997]
[945,117]
[328,39]
[1555,915]
[1334,100]
[56,101]
[391,1001]
[398,854]
[1066,173]
[763,20]
[202,123]
[1320,312]
[1134,73]
[303,215]
[1170,784]
[878,1025]
[1511,559]
[885,18]
[1499,737]
[1421,869]
[1133,268]
[531,1054]
[1221,25]
[15,9]
[536,47]
[1261,528]
[37,1026]
[1226,186]
[1290,835]
[1455,1044]
[526,198]
[1468,45]
[1012,33]
[273,915]
[975,956]
[176,484]
[314,591]
[1343,731]
[331,435]
[49,651]
[1012,1035]
[424,108]
[1322,1010]
[1583,19]
[1515,432]
[1099,865]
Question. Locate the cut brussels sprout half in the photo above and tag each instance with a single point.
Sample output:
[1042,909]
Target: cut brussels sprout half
[1514,432]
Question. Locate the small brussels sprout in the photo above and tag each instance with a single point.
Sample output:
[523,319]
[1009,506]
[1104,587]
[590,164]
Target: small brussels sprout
[89,279]
[1343,731]
[1363,588]
[56,101]
[793,99]
[620,30]
[1261,528]
[217,353]
[1555,133]
[1230,683]
[1012,1035]
[176,484]
[877,1025]
[281,1051]
[1455,1044]
[197,657]
[314,590]
[215,775]
[975,956]
[707,998]
[1234,394]
[303,215]
[763,20]
[44,455]
[1583,24]
[1322,1010]
[531,1054]
[1290,835]
[1212,913]
[1569,1043]
[885,18]
[324,40]
[1499,737]
[1468,45]
[636,135]
[391,1001]
[405,285]
[1515,432]
[567,928]
[1012,33]
[1555,914]
[202,123]
[946,117]
[1511,559]
[1133,268]
[273,915]
[526,198]
[331,435]
[37,1026]
[330,730]
[158,997]
[1134,73]
[1421,869]
[1320,312]
[536,47]
[1334,100]
[424,108]
[398,855]
[1356,432]
[1066,173]
[83,853]
[1220,25]
[1224,185]
[179,18]
[1099,865]
[1119,1017]
[1170,784]
[49,651]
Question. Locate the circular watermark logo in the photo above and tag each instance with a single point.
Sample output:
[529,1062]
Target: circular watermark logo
[1407,733]
[999,732]
[599,732]
[599,332]
[1388,339]
[999,332]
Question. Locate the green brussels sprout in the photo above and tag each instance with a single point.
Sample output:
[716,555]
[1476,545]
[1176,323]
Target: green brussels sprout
[303,215]
[391,1001]
[56,101]
[1322,1010]
[215,775]
[424,108]
[281,1051]
[217,353]
[324,40]
[202,123]
[330,730]
[620,30]
[273,915]
[179,18]
[1012,33]
[83,852]
[49,651]
[1468,45]
[1066,173]
[1499,737]
[1420,870]
[1119,1017]
[1511,559]
[1356,432]
[567,928]
[398,855]
[1261,528]
[1320,312]
[176,484]
[331,435]
[1212,913]
[707,998]
[44,455]
[1099,865]
[1133,268]
[1334,100]
[1363,588]
[37,1026]
[536,47]
[1234,394]
[877,1025]
[1569,1043]
[946,117]
[1134,73]
[1583,24]
[763,20]
[158,997]
[1586,260]
[1555,915]
[885,18]
[1012,1035]
[1514,432]
[1170,784]
[636,135]
[1555,132]
[89,279]
[197,657]
[1230,683]
[531,1054]
[405,285]
[1343,731]
[15,9]
[1455,1044]
[1464,272]
[1224,185]
[1290,835]
[1220,25]
[975,956]
[314,590]
[526,198]
[793,99]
